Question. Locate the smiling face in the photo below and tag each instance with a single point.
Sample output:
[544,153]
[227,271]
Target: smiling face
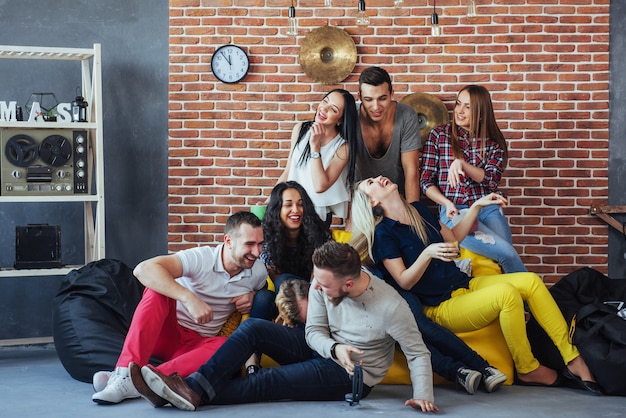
[292,209]
[377,188]
[243,248]
[330,110]
[375,100]
[463,111]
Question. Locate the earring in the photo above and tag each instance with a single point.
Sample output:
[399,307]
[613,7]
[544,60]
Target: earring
[378,211]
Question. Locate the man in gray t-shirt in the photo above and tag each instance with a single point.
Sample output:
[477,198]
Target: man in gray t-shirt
[388,135]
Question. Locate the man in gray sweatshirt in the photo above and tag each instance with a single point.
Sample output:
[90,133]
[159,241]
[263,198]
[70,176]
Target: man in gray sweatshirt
[353,318]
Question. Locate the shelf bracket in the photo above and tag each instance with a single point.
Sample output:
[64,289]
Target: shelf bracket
[604,213]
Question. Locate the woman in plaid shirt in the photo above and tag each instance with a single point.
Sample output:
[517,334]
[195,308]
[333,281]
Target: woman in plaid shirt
[464,161]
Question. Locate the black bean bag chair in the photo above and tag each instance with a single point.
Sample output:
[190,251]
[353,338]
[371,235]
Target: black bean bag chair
[91,315]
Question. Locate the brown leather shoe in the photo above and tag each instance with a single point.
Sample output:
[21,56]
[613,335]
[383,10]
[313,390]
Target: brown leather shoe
[143,389]
[172,388]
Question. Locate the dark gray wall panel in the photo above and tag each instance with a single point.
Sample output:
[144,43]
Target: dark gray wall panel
[134,39]
[617,140]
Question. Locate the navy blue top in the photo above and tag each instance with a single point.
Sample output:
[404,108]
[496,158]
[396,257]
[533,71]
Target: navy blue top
[393,239]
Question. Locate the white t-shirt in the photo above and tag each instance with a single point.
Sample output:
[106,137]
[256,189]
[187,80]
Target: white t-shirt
[204,274]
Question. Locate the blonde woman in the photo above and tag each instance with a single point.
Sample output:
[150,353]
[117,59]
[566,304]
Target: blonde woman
[415,251]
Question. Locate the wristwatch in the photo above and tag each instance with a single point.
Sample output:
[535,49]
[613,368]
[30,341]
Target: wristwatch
[332,351]
[316,155]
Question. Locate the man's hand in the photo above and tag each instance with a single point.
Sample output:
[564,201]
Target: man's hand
[421,404]
[342,352]
[200,311]
[243,303]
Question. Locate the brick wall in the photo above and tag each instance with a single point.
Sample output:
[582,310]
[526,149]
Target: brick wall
[545,62]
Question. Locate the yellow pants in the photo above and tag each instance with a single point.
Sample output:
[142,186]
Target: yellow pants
[501,297]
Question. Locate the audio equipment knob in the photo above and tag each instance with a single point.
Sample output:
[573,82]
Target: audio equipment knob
[80,174]
[68,187]
[80,139]
[58,188]
[80,163]
[80,149]
[16,174]
[61,174]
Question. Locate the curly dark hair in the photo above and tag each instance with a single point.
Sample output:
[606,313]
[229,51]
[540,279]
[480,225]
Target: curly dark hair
[313,233]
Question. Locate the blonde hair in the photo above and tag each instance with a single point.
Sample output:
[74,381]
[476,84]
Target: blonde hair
[291,290]
[364,221]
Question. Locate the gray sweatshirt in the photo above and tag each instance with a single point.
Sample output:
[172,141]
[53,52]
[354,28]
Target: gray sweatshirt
[373,323]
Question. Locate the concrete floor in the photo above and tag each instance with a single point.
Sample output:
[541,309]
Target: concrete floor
[33,383]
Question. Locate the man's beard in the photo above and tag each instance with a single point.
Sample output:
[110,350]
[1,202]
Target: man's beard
[336,300]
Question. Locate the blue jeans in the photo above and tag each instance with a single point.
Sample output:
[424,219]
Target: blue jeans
[448,353]
[263,305]
[492,239]
[302,376]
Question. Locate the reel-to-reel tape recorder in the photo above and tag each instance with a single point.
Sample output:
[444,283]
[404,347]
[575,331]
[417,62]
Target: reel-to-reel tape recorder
[43,162]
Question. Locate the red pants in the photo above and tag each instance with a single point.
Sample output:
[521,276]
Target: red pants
[155,332]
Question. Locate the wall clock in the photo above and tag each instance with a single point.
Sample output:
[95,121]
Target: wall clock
[230,63]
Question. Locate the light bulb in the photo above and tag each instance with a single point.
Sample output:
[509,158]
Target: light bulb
[362,19]
[292,24]
[398,3]
[435,30]
[471,9]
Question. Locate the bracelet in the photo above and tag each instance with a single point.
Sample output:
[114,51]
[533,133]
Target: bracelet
[332,351]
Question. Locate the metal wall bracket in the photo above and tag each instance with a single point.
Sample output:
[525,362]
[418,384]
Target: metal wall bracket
[603,212]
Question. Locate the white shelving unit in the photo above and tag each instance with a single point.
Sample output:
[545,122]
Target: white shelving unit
[93,200]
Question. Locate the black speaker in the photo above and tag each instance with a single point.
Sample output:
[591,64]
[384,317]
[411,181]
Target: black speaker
[38,246]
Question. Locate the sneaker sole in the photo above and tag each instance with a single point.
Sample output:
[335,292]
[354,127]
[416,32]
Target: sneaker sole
[495,385]
[144,390]
[155,383]
[473,383]
[99,381]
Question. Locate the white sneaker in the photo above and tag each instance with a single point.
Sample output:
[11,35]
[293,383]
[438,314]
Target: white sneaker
[100,380]
[468,379]
[493,378]
[119,387]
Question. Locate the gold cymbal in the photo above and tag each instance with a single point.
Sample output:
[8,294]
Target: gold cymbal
[327,55]
[431,112]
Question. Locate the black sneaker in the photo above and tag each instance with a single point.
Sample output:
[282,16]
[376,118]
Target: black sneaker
[493,379]
[468,379]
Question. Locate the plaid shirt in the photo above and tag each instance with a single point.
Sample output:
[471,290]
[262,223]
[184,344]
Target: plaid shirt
[438,157]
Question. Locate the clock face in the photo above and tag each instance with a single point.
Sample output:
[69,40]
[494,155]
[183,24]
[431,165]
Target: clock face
[230,63]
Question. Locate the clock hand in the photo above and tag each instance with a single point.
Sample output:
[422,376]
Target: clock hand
[227,58]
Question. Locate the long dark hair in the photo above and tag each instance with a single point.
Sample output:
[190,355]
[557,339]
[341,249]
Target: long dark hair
[347,130]
[313,233]
[483,125]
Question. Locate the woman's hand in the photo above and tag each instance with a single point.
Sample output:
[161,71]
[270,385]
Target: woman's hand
[425,406]
[446,251]
[451,210]
[455,172]
[318,132]
[491,199]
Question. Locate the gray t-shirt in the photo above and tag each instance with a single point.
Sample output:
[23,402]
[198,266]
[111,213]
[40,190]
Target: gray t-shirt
[372,322]
[405,138]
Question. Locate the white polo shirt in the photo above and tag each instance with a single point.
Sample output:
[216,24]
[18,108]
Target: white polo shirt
[204,274]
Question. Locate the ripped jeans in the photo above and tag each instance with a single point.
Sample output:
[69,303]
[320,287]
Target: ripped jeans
[492,239]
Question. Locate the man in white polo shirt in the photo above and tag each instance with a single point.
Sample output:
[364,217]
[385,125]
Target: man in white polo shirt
[188,298]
